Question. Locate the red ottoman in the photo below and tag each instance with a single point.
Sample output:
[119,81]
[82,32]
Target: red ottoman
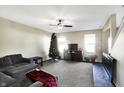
[47,79]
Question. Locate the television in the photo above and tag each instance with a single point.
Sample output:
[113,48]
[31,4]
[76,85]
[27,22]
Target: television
[73,47]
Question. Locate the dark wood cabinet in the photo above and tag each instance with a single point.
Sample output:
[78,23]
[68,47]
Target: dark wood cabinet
[73,55]
[109,64]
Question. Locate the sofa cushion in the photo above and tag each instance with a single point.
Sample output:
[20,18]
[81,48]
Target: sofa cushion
[20,64]
[5,62]
[20,71]
[5,68]
[2,63]
[6,80]
[8,60]
[17,58]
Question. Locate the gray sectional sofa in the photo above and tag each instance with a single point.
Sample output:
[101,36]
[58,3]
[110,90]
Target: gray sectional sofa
[6,80]
[13,69]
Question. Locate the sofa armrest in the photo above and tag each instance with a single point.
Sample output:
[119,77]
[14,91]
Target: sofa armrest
[36,84]
[25,60]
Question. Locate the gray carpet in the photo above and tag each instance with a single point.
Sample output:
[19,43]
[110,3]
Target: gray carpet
[71,74]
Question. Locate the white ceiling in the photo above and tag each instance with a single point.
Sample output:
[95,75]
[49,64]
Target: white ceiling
[82,17]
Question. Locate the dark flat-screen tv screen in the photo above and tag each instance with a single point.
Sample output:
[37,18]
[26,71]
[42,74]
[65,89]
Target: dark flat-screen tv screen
[73,47]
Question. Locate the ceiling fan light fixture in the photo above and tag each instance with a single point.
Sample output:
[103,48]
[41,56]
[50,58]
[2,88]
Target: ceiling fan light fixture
[60,26]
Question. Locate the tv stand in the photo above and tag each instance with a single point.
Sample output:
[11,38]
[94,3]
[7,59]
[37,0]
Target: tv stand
[73,55]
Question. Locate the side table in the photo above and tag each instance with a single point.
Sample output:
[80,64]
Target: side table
[38,60]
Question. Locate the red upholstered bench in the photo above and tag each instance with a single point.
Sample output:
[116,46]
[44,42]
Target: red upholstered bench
[47,79]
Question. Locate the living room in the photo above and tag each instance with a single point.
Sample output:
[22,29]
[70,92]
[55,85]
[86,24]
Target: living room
[28,32]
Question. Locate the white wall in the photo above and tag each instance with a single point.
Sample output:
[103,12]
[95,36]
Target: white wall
[110,25]
[18,38]
[78,36]
[118,54]
[105,37]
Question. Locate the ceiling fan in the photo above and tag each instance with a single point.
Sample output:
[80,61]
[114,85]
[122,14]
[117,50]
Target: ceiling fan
[60,25]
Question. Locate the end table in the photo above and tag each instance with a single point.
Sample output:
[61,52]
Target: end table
[38,60]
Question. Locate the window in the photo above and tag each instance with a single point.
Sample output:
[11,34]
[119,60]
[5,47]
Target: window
[62,43]
[90,42]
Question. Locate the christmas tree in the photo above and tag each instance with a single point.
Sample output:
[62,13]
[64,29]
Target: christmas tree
[53,50]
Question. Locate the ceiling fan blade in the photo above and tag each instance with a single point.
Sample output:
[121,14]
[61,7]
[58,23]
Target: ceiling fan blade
[52,25]
[67,25]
